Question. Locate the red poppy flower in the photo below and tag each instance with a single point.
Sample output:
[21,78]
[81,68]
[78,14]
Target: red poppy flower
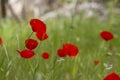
[38,26]
[112,76]
[96,62]
[31,43]
[61,53]
[1,41]
[106,35]
[45,55]
[70,49]
[42,36]
[26,53]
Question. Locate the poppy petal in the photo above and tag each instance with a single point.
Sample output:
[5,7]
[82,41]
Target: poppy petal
[61,53]
[70,49]
[26,53]
[42,36]
[112,76]
[1,41]
[45,55]
[38,26]
[106,35]
[31,44]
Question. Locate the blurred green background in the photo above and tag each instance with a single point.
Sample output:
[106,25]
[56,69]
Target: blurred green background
[68,21]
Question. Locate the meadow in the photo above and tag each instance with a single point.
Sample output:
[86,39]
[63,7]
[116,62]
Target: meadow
[83,32]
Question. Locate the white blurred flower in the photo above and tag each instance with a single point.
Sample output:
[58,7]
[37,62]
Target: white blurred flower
[61,59]
[108,66]
[109,53]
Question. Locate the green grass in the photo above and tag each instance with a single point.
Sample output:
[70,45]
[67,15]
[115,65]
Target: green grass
[84,34]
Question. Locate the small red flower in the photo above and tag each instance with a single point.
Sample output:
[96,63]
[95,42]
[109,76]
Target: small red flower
[26,53]
[42,36]
[70,49]
[45,55]
[106,35]
[1,41]
[61,53]
[96,62]
[31,43]
[112,76]
[38,26]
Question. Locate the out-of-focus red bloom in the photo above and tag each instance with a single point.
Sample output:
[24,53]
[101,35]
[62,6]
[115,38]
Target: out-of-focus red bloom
[45,55]
[42,36]
[112,76]
[1,41]
[31,43]
[26,53]
[38,26]
[106,35]
[70,49]
[96,62]
[61,53]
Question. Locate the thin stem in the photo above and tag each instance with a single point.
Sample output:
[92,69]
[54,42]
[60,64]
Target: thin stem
[18,41]
[36,66]
[30,34]
[19,64]
[35,70]
[75,67]
[6,52]
[53,68]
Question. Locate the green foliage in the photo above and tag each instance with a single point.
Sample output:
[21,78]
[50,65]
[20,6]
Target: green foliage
[84,33]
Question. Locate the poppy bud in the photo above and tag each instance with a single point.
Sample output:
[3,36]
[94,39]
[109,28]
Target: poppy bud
[31,44]
[26,53]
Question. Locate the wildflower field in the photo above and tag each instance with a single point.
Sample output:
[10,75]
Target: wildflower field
[78,49]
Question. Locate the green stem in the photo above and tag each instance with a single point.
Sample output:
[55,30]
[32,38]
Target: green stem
[35,70]
[36,66]
[18,43]
[53,68]
[75,67]
[30,34]
[6,52]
